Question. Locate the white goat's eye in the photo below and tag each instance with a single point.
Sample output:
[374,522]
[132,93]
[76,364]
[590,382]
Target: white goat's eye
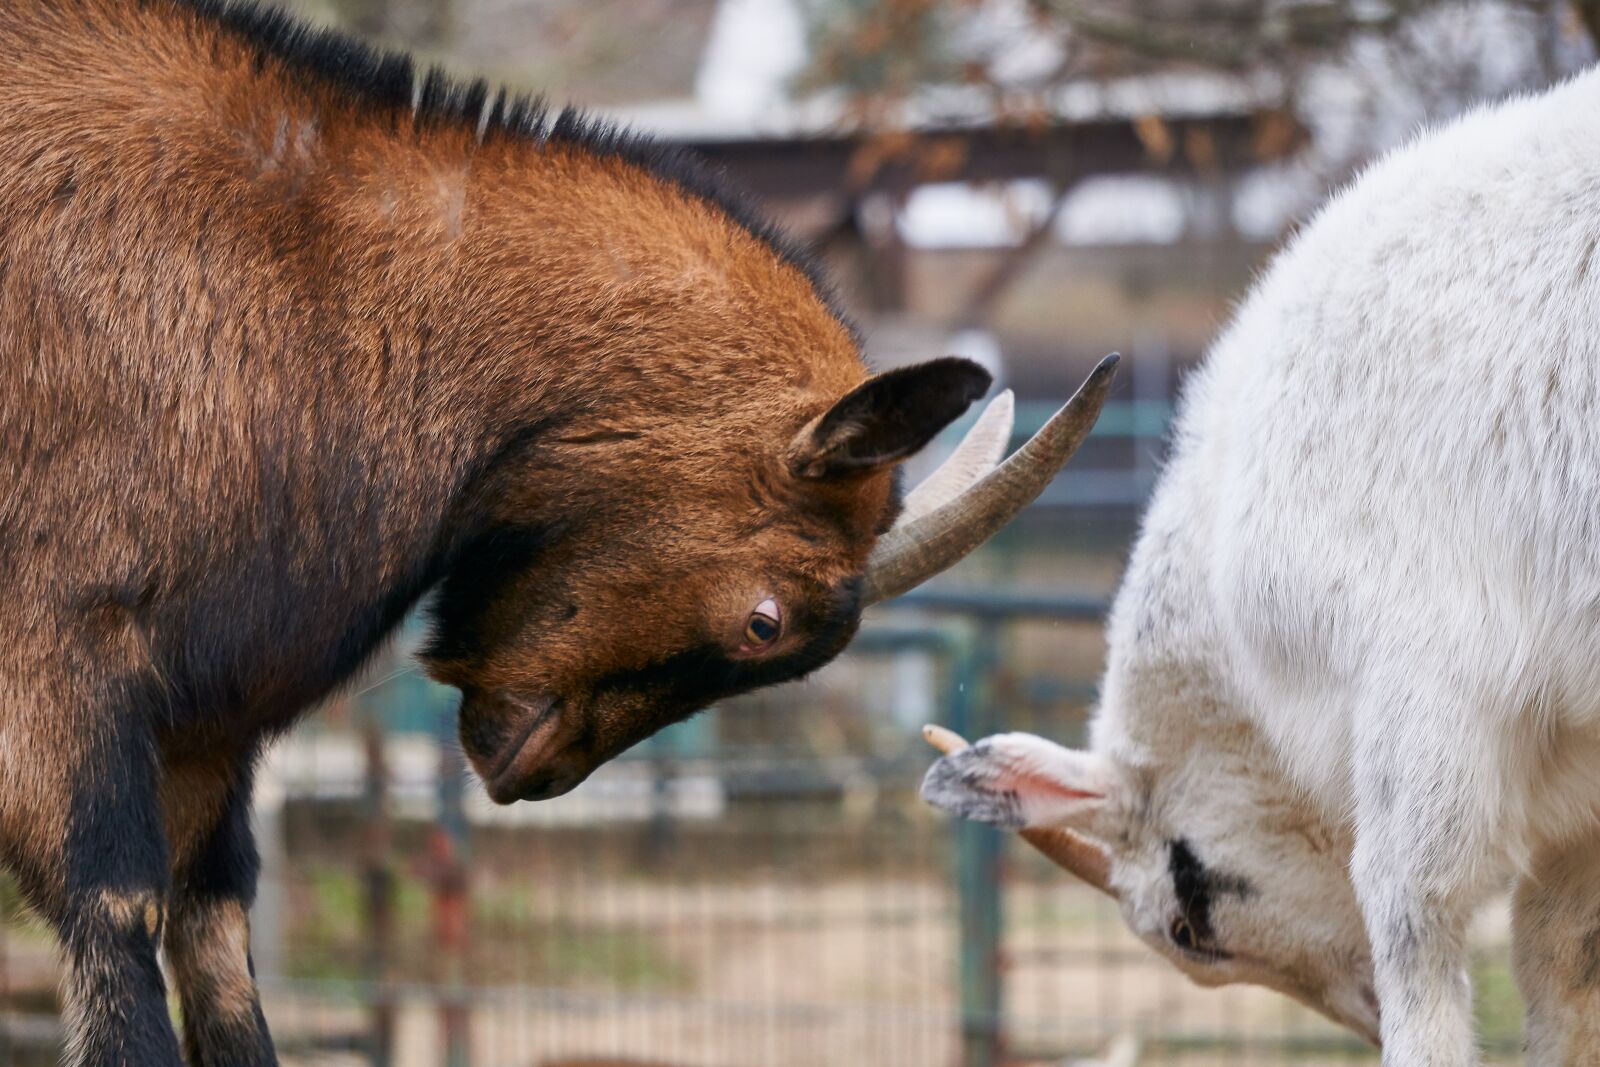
[765,624]
[1183,935]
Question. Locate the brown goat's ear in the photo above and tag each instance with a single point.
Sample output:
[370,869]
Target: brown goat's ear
[887,418]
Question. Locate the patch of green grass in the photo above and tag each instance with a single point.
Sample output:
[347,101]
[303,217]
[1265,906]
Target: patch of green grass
[17,918]
[329,923]
[625,960]
[508,942]
[1498,1004]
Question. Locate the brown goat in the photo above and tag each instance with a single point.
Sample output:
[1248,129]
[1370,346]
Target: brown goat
[289,337]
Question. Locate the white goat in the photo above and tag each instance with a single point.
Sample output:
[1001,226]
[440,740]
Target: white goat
[1353,685]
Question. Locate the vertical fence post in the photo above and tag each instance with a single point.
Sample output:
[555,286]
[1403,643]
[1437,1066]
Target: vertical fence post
[451,905]
[1152,393]
[378,876]
[268,931]
[978,866]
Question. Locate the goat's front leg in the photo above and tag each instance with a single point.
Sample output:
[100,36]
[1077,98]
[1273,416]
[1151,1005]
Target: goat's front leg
[99,874]
[1425,856]
[1555,949]
[208,933]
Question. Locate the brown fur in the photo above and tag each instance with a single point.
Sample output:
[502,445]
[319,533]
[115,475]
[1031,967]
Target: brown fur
[208,955]
[277,355]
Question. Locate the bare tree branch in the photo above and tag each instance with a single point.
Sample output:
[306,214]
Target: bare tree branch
[987,293]
[1155,38]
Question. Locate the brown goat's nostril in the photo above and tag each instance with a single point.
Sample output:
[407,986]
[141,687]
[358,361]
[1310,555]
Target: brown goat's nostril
[482,734]
[525,720]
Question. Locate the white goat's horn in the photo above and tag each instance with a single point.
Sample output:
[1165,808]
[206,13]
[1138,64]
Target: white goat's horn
[915,550]
[1073,854]
[979,452]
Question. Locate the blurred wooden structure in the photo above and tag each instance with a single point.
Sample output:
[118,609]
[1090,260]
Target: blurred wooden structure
[821,182]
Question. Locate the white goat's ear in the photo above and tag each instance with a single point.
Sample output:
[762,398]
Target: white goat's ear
[1020,780]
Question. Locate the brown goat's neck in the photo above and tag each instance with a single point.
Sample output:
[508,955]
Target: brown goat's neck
[438,265]
[311,324]
[511,292]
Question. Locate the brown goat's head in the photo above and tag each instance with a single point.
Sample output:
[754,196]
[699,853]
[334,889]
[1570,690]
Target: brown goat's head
[676,576]
[667,584]
[703,500]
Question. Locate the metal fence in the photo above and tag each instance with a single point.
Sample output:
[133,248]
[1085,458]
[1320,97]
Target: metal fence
[757,887]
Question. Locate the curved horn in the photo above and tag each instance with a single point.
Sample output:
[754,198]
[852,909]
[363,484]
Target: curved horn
[1073,854]
[979,452]
[912,552]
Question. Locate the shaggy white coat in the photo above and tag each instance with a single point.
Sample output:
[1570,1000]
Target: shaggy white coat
[1355,663]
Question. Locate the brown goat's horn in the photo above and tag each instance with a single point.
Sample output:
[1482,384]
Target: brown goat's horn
[915,550]
[1073,854]
[979,452]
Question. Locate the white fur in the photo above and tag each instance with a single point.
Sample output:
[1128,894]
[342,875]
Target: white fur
[1356,657]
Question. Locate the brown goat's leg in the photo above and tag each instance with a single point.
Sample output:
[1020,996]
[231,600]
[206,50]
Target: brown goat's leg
[208,936]
[104,890]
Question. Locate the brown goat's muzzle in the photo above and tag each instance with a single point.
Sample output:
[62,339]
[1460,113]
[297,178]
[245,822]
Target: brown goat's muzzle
[521,747]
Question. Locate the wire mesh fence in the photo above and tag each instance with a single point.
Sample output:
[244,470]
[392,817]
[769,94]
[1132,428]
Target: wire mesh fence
[757,887]
[761,886]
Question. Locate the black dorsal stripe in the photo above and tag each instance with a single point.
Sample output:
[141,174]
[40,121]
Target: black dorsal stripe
[388,80]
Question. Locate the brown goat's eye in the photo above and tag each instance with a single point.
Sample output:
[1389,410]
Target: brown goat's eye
[1183,936]
[764,625]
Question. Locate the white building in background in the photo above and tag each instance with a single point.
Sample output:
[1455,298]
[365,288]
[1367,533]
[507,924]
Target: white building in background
[755,50]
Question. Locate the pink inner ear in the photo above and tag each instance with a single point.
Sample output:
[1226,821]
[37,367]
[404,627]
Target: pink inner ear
[1035,782]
